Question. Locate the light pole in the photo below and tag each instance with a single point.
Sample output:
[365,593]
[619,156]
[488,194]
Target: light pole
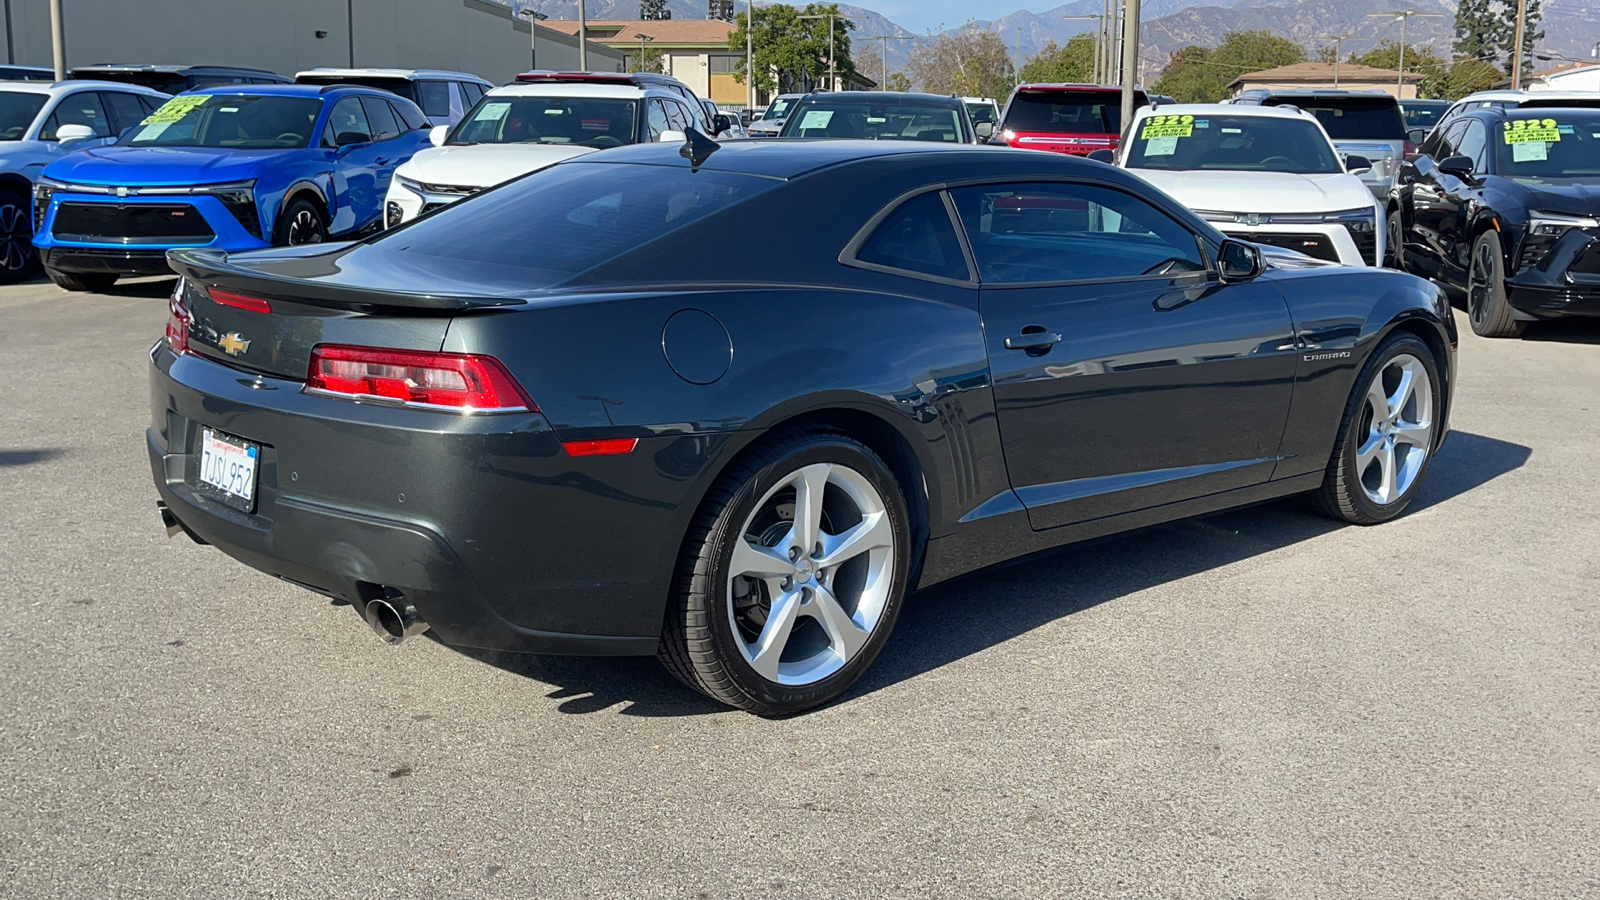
[583,37]
[1405,16]
[534,18]
[1338,39]
[638,65]
[833,68]
[58,40]
[1130,57]
[883,52]
[1099,32]
[750,51]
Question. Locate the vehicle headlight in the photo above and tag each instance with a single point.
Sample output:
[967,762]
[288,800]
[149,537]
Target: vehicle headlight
[1212,215]
[1548,224]
[1358,221]
[233,192]
[409,184]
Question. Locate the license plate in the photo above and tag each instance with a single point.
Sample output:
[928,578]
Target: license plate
[228,469]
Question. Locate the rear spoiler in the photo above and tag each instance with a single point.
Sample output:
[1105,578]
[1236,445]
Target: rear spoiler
[300,281]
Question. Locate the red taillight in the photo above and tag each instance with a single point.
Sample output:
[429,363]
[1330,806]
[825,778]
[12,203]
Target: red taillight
[1409,151]
[460,381]
[178,321]
[239,301]
[614,447]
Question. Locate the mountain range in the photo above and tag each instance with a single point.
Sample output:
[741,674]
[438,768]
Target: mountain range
[1572,29]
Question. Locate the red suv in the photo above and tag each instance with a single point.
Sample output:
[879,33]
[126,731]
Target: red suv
[1065,118]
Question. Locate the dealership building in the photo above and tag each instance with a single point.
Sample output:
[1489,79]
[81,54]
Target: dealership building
[286,36]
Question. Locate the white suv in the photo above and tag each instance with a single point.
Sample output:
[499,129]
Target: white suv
[31,113]
[521,128]
[1266,174]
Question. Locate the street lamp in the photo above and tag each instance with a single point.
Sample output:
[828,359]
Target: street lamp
[1099,48]
[1337,40]
[833,68]
[534,18]
[1404,15]
[883,50]
[750,52]
[643,39]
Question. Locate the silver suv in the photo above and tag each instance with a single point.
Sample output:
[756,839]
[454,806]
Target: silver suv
[1361,123]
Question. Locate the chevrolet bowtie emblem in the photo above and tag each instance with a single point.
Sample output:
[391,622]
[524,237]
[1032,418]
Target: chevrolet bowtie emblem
[1253,219]
[122,192]
[233,345]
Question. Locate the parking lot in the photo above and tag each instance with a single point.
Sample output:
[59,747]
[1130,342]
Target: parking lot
[1262,704]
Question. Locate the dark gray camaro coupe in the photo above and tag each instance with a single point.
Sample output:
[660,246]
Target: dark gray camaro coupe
[545,420]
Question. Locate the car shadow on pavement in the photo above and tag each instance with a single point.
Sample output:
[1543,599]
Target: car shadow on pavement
[156,286]
[15,458]
[1564,331]
[951,621]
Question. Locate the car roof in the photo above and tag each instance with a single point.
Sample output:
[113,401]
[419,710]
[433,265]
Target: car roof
[280,90]
[579,89]
[1063,86]
[1325,92]
[1226,109]
[1531,112]
[144,67]
[872,97]
[1416,102]
[407,74]
[72,85]
[794,157]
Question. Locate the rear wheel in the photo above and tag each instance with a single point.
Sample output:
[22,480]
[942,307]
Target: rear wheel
[18,259]
[82,281]
[1394,250]
[1488,308]
[1386,440]
[301,223]
[792,576]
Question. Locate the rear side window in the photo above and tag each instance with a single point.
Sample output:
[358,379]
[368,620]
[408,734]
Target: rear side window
[411,117]
[347,124]
[434,98]
[917,237]
[473,91]
[380,115]
[82,108]
[569,218]
[125,109]
[1352,118]
[1067,112]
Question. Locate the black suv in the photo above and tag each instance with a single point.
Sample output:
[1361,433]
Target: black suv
[1361,123]
[1503,206]
[177,79]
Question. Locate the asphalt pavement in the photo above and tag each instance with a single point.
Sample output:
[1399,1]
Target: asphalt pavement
[1259,705]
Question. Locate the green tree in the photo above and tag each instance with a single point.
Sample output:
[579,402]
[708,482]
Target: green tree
[791,53]
[648,61]
[1073,62]
[1468,76]
[1200,75]
[971,61]
[898,82]
[1480,30]
[1435,72]
[654,10]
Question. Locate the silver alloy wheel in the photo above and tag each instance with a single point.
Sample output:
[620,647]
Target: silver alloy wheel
[811,574]
[304,228]
[1398,420]
[16,238]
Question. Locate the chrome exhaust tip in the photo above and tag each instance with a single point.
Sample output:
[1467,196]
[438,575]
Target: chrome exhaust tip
[394,620]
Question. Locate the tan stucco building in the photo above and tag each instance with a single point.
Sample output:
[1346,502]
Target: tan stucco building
[1317,75]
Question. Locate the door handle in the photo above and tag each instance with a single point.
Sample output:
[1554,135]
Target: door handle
[1033,341]
[383,162]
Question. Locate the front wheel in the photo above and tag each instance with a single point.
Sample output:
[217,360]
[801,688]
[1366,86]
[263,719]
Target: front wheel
[792,576]
[1488,307]
[1394,250]
[301,223]
[1387,436]
[18,259]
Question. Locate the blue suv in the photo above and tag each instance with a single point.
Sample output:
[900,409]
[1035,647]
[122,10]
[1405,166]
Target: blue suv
[232,168]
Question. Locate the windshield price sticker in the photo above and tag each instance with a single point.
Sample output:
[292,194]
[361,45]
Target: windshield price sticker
[1161,146]
[1168,127]
[816,118]
[1530,151]
[1525,130]
[175,109]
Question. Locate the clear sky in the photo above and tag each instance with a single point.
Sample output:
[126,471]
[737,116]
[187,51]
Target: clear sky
[920,15]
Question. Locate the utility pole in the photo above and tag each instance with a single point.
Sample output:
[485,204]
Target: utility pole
[1338,40]
[1130,57]
[1018,62]
[883,50]
[583,38]
[750,51]
[833,68]
[1099,32]
[1516,53]
[1405,16]
[58,40]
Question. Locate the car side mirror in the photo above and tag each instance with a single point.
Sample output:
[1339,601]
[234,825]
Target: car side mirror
[1353,163]
[1103,155]
[721,123]
[673,137]
[67,134]
[437,135]
[1238,261]
[984,130]
[1417,135]
[1459,166]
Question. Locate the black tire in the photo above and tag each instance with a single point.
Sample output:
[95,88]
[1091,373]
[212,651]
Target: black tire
[18,258]
[1488,308]
[301,223]
[1394,248]
[699,645]
[1343,495]
[81,282]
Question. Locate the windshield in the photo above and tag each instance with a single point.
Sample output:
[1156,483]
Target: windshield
[1352,118]
[1232,144]
[1531,148]
[238,121]
[981,112]
[819,118]
[1067,112]
[779,109]
[566,219]
[17,112]
[1423,114]
[582,121]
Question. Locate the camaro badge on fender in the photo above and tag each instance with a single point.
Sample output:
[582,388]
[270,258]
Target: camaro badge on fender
[233,345]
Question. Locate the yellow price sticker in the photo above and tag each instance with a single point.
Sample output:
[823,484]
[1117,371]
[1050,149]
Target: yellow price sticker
[1168,127]
[1525,131]
[175,109]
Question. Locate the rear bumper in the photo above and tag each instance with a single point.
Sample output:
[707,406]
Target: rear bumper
[498,538]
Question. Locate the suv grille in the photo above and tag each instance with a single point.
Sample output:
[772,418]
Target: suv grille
[1314,245]
[134,223]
